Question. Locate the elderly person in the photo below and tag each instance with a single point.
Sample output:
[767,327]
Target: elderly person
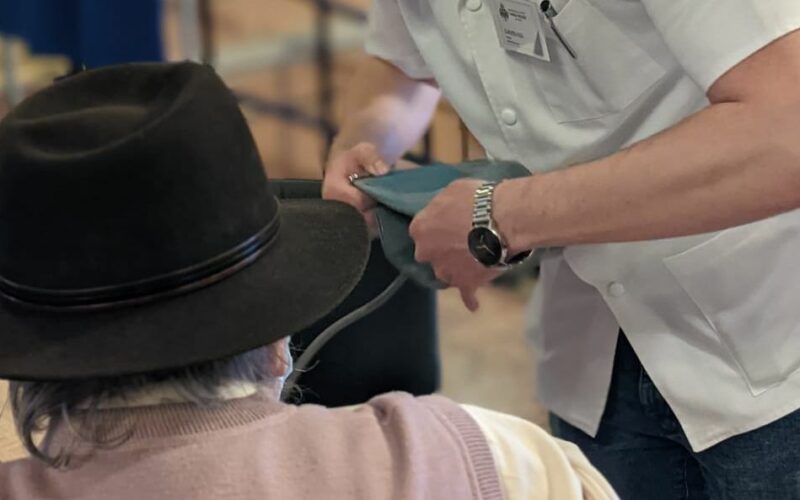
[149,284]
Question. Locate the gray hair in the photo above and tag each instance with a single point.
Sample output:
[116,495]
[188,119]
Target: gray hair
[38,405]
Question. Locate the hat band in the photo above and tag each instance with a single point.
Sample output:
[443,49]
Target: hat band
[167,285]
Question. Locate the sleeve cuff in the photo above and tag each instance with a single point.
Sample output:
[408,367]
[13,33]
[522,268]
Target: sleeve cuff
[708,75]
[412,65]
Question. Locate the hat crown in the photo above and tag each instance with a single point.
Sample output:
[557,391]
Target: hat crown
[124,174]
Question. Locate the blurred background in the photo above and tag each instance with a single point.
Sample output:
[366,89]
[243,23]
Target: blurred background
[289,62]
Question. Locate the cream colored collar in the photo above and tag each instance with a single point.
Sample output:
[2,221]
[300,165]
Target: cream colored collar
[168,393]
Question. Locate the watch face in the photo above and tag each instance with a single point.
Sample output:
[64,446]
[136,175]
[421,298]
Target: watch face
[485,246]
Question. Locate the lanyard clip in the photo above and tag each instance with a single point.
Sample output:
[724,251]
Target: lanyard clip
[550,12]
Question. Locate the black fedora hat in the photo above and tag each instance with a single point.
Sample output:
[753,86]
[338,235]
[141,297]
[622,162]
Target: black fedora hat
[138,231]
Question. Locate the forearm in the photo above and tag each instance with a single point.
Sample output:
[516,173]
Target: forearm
[729,164]
[385,107]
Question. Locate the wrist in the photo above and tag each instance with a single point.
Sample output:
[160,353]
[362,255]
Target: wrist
[506,214]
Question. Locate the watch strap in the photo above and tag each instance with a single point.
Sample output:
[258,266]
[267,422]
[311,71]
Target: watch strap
[482,206]
[482,217]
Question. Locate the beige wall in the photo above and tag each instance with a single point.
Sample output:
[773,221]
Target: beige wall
[9,445]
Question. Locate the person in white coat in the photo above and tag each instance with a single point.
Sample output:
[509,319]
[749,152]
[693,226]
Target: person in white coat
[664,139]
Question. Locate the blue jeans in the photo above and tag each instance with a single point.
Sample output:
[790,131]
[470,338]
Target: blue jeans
[645,455]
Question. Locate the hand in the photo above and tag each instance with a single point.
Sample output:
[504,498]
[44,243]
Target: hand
[440,233]
[336,185]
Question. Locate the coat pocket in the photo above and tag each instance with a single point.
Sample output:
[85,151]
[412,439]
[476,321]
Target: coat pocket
[609,73]
[746,281]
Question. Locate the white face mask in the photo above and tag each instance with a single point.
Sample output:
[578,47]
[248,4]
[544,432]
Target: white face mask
[281,381]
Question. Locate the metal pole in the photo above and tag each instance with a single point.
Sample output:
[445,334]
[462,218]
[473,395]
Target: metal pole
[206,32]
[464,140]
[13,90]
[189,16]
[427,147]
[324,60]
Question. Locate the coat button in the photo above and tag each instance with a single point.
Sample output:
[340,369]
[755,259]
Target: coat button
[616,289]
[509,116]
[474,5]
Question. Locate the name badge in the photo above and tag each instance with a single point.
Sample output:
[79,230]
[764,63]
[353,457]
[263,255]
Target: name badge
[519,28]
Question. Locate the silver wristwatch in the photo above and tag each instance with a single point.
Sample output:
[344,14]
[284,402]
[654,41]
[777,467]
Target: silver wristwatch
[485,242]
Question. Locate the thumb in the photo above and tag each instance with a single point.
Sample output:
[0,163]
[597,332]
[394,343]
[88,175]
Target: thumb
[370,159]
[377,167]
[469,298]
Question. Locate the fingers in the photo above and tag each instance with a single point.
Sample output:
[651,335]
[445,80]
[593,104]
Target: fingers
[372,223]
[415,231]
[336,184]
[467,278]
[405,165]
[338,189]
[469,298]
[442,277]
[359,159]
[370,160]
[357,199]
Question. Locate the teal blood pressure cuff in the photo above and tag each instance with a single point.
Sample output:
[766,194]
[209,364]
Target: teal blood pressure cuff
[402,194]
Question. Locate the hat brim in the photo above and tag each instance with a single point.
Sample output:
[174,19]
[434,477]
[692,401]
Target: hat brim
[317,260]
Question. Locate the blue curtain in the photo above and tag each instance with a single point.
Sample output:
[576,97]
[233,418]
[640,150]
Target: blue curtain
[90,32]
